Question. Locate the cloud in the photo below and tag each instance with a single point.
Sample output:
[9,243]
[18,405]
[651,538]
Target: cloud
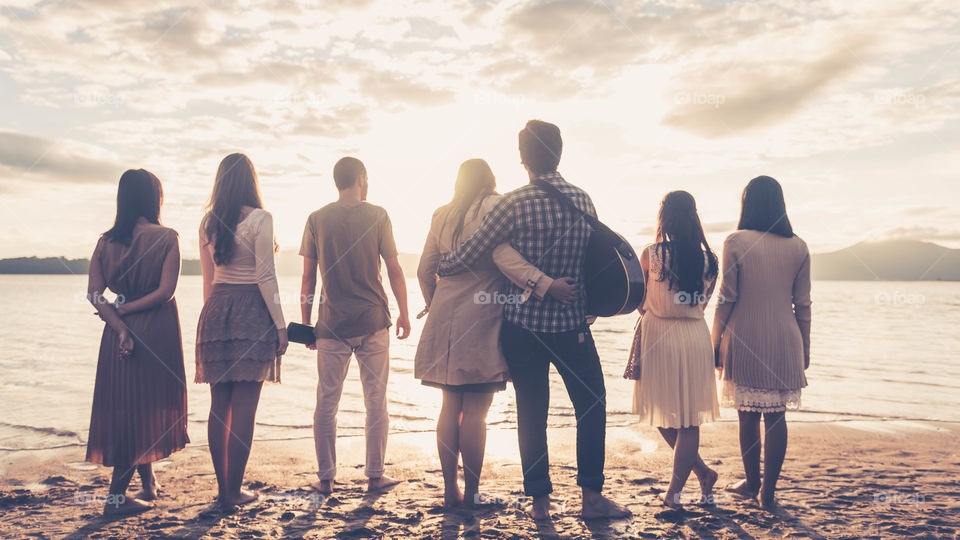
[340,122]
[282,79]
[522,77]
[54,159]
[390,88]
[182,29]
[268,71]
[708,228]
[924,210]
[424,28]
[921,232]
[719,226]
[727,100]
[598,39]
[580,33]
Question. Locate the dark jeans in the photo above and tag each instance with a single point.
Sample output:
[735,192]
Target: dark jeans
[529,355]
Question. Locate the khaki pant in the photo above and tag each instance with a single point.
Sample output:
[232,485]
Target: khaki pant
[333,362]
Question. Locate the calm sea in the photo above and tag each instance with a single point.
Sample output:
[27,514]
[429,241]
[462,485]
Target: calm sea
[880,350]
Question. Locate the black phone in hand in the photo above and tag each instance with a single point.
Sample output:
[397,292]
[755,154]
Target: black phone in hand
[301,333]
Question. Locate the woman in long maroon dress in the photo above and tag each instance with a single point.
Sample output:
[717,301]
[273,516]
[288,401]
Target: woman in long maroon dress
[139,400]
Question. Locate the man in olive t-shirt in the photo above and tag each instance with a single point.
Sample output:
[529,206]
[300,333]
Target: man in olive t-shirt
[346,240]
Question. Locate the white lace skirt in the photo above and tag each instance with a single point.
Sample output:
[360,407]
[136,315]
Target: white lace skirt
[762,400]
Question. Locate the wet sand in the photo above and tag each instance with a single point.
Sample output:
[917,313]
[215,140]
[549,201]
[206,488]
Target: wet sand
[840,480]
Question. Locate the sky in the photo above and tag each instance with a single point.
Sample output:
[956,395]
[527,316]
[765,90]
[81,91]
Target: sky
[852,105]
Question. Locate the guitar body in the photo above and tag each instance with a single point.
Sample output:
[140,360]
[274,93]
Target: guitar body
[613,275]
[611,269]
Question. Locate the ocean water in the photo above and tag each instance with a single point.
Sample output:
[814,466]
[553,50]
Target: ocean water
[879,350]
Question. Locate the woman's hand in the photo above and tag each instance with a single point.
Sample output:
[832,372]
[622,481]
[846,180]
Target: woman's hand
[126,343]
[565,290]
[282,341]
[120,308]
[806,360]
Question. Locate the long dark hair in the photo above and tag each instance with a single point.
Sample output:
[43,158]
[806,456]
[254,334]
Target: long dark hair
[475,181]
[681,247]
[236,186]
[139,195]
[763,208]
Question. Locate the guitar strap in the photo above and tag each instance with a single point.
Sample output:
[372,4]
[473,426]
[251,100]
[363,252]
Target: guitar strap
[606,233]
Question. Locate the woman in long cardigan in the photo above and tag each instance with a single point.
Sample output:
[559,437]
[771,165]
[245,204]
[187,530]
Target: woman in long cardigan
[761,331]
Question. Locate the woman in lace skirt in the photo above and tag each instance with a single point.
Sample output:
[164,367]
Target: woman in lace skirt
[676,392]
[761,331]
[241,334]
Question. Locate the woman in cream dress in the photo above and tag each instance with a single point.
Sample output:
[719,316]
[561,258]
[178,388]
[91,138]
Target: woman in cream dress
[676,391]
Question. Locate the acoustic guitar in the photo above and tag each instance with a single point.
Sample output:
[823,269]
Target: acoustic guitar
[612,271]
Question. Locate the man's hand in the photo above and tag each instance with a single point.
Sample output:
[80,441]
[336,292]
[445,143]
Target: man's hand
[403,327]
[565,290]
[308,286]
[399,286]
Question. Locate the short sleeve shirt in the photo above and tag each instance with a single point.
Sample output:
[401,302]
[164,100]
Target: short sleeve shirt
[348,242]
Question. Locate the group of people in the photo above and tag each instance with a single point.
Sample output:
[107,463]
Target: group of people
[503,281]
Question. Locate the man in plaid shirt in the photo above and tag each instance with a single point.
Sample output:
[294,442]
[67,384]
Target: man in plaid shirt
[541,331]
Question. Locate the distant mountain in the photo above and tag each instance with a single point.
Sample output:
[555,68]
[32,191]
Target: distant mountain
[45,265]
[890,260]
[289,263]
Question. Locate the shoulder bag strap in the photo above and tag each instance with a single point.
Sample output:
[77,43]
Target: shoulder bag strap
[597,226]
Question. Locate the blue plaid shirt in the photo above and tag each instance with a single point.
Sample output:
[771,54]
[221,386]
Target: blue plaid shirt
[549,236]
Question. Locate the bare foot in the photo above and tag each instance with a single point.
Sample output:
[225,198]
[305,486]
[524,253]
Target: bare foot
[768,501]
[150,491]
[239,499]
[596,506]
[672,501]
[540,508]
[743,490]
[475,499]
[707,481]
[453,498]
[377,484]
[128,507]
[324,487]
[213,509]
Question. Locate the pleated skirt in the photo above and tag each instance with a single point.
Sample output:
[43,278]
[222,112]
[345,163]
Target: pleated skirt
[236,337]
[140,402]
[677,387]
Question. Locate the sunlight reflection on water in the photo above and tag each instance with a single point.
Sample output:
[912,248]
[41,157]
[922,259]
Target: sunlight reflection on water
[879,349]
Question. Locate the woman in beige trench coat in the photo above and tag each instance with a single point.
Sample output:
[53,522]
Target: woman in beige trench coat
[459,350]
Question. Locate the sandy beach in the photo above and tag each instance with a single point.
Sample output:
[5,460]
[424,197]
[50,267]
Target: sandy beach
[841,480]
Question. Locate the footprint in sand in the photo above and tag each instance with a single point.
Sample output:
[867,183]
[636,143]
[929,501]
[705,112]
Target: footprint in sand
[643,481]
[58,481]
[673,516]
